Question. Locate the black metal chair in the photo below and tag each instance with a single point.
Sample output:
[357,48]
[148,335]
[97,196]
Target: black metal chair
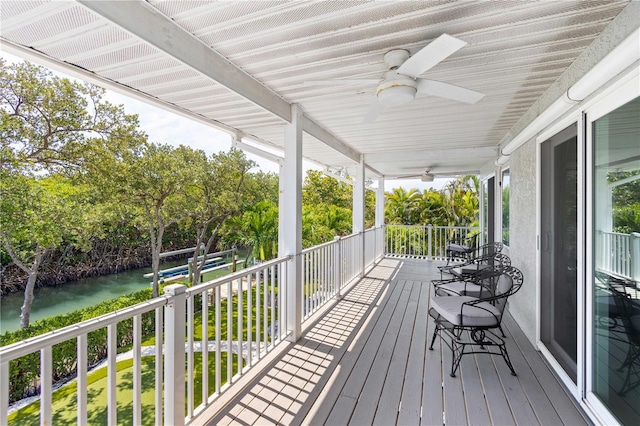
[484,256]
[462,249]
[476,279]
[471,321]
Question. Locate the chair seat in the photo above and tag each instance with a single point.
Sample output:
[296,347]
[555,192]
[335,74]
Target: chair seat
[483,314]
[461,288]
[458,248]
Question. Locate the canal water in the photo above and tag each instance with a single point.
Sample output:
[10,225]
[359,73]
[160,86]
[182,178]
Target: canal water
[74,295]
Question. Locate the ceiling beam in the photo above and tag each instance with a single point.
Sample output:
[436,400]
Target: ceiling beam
[433,155]
[147,23]
[320,133]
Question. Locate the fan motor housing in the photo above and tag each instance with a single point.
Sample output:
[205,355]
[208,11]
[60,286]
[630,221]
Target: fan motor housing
[396,90]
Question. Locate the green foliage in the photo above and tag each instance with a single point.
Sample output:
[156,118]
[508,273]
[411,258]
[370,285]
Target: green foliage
[256,228]
[457,204]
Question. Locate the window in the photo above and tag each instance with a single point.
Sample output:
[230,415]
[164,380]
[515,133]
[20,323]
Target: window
[505,207]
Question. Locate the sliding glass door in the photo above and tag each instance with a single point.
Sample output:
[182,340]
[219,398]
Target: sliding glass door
[615,292]
[558,248]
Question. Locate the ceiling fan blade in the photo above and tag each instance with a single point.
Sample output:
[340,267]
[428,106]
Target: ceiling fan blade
[341,82]
[448,91]
[430,55]
[373,112]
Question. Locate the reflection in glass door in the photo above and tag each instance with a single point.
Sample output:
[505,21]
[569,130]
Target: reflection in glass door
[616,262]
[558,248]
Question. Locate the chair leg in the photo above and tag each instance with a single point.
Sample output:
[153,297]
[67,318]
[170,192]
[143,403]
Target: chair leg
[501,330]
[433,339]
[457,351]
[505,355]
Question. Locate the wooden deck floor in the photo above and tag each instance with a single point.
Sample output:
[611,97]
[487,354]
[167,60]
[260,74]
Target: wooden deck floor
[366,361]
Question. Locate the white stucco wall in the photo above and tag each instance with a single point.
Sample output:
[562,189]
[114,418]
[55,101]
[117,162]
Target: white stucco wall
[522,250]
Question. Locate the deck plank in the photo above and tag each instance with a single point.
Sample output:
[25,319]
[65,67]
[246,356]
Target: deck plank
[432,394]
[411,397]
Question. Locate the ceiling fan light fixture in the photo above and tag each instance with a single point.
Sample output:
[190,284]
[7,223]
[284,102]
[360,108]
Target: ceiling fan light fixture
[427,177]
[396,96]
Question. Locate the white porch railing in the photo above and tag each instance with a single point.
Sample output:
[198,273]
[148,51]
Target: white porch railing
[428,242]
[327,268]
[619,254]
[246,314]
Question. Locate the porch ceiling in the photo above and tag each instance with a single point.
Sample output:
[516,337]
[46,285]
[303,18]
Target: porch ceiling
[239,65]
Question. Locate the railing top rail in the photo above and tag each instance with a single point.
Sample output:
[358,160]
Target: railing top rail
[25,347]
[234,276]
[621,234]
[319,246]
[398,225]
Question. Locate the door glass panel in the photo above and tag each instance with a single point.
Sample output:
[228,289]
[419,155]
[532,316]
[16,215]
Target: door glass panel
[505,206]
[616,260]
[559,251]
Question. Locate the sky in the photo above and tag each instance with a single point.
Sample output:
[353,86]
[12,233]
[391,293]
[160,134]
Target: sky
[169,128]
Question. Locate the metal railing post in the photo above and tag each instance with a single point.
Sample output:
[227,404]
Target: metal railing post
[634,267]
[174,355]
[429,242]
[337,261]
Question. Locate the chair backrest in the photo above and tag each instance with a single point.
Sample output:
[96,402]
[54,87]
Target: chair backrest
[489,249]
[508,284]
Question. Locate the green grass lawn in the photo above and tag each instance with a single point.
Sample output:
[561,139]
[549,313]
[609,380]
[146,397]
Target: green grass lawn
[64,399]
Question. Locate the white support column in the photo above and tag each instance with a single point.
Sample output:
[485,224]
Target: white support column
[380,203]
[292,220]
[358,211]
[358,199]
[174,355]
[281,208]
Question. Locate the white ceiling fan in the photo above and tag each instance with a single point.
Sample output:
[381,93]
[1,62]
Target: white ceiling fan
[401,83]
[428,175]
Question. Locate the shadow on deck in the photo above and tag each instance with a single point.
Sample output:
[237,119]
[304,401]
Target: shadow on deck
[366,361]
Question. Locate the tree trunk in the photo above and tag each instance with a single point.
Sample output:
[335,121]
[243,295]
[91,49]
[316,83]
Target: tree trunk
[25,310]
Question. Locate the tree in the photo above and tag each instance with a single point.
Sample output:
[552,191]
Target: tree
[37,215]
[403,207]
[321,189]
[215,195]
[47,128]
[47,122]
[256,228]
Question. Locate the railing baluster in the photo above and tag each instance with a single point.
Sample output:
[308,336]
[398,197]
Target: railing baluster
[240,337]
[205,348]
[81,395]
[112,383]
[258,313]
[229,333]
[137,370]
[46,373]
[190,366]
[272,279]
[218,328]
[250,321]
[265,313]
